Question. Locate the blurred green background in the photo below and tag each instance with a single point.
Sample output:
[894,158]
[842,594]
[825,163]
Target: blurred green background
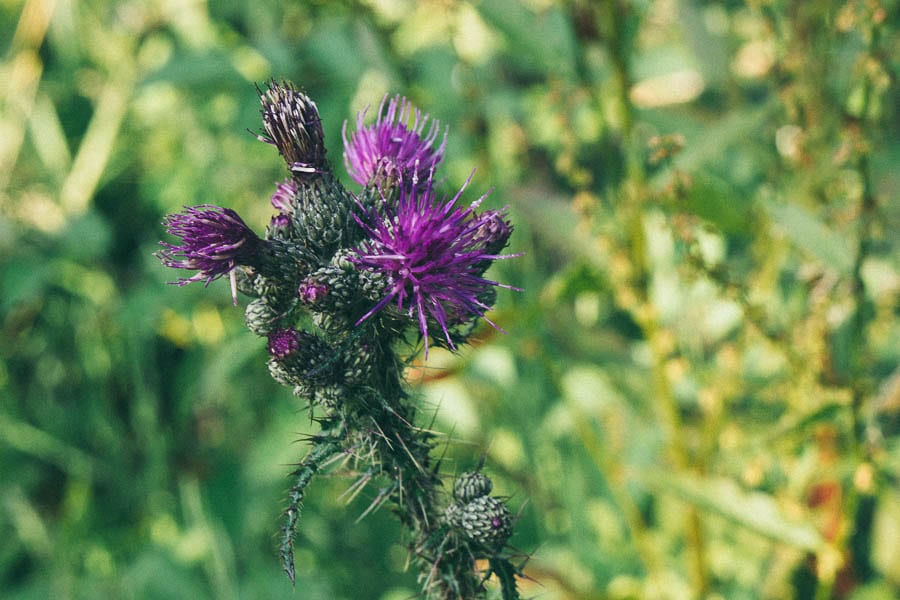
[699,393]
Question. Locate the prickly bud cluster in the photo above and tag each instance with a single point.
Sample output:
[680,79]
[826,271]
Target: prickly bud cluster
[476,515]
[453,515]
[261,318]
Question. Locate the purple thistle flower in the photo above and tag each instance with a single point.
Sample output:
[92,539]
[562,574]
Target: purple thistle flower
[434,253]
[390,149]
[214,241]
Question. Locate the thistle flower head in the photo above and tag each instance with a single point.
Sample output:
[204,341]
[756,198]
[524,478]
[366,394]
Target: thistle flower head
[487,520]
[214,241]
[433,253]
[292,124]
[391,149]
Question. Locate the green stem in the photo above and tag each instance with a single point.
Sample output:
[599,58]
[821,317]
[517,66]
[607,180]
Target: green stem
[858,504]
[670,415]
[323,449]
[615,26]
[405,454]
[614,474]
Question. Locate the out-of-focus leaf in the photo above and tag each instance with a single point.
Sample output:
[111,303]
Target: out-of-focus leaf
[334,48]
[718,202]
[143,577]
[811,235]
[756,511]
[710,50]
[86,237]
[712,138]
[556,51]
[552,218]
[798,426]
[886,531]
[33,441]
[22,279]
[193,70]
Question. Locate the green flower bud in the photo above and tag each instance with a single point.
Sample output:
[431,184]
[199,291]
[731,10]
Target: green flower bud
[322,220]
[473,485]
[261,318]
[359,359]
[487,521]
[330,289]
[300,358]
[453,515]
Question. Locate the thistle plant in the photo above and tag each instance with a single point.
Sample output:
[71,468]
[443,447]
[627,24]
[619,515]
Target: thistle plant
[346,287]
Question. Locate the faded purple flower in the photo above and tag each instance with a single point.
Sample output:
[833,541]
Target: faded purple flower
[283,195]
[493,231]
[214,241]
[434,253]
[310,291]
[282,200]
[390,149]
[280,221]
[292,124]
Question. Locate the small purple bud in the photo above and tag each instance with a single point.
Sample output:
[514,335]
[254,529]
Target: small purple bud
[311,291]
[493,231]
[283,342]
[280,221]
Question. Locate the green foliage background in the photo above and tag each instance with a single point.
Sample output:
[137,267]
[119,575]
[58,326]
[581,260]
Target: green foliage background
[699,394]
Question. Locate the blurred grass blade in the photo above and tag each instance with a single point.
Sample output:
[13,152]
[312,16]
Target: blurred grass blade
[794,425]
[22,75]
[717,201]
[718,136]
[557,51]
[36,442]
[48,137]
[96,147]
[811,235]
[754,511]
